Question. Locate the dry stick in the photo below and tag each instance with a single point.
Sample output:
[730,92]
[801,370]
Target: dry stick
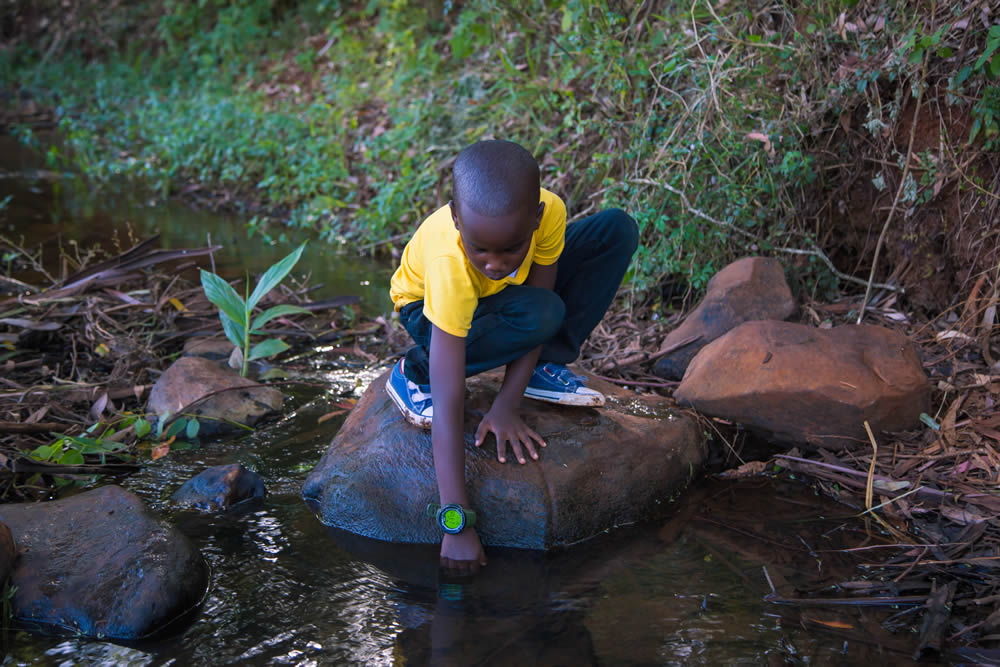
[899,190]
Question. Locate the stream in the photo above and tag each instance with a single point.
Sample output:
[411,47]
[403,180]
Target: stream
[689,588]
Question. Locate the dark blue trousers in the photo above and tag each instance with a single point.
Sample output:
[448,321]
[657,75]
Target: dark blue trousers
[511,323]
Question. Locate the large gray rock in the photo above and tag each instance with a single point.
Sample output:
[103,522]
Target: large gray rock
[815,387]
[101,565]
[237,400]
[752,288]
[602,468]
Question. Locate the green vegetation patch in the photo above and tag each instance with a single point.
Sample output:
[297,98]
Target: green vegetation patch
[713,124]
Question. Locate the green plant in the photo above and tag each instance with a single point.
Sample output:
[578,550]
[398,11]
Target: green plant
[235,311]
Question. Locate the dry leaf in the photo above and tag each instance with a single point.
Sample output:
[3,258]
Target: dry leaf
[763,138]
[748,469]
[160,451]
[97,409]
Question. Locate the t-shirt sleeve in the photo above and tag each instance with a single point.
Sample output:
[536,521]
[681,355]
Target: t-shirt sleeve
[450,299]
[551,232]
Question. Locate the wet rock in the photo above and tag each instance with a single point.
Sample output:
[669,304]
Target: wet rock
[99,564]
[8,553]
[602,468]
[815,387]
[220,487]
[190,378]
[752,288]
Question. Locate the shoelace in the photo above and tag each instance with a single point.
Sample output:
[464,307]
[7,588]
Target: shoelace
[416,393]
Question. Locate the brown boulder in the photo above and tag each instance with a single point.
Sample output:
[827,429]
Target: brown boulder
[816,387]
[752,288]
[602,468]
[190,378]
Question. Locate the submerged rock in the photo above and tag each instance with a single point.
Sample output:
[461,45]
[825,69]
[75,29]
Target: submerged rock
[190,378]
[602,468]
[220,487]
[815,387]
[99,564]
[752,288]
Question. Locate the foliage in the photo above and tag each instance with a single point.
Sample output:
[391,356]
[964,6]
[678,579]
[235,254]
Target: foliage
[235,311]
[711,123]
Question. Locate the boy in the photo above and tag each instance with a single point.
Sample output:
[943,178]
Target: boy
[497,278]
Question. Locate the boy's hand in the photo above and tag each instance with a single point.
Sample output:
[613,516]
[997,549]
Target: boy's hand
[508,426]
[462,553]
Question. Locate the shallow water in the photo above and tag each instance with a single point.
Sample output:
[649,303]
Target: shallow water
[688,588]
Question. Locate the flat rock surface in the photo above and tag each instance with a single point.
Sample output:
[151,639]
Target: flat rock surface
[237,400]
[603,467]
[815,387]
[100,564]
[752,288]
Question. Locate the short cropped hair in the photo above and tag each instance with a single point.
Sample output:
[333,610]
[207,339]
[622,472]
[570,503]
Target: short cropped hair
[495,178]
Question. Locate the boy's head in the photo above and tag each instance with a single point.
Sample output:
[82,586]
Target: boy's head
[496,205]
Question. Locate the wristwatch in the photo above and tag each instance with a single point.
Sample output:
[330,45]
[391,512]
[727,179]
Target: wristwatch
[451,518]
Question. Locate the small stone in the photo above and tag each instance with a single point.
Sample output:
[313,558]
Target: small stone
[190,378]
[752,288]
[220,487]
[799,385]
[602,468]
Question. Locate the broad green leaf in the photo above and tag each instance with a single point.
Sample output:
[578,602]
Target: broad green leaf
[267,348]
[271,313]
[222,294]
[142,428]
[43,453]
[192,429]
[71,458]
[273,276]
[176,427]
[234,330]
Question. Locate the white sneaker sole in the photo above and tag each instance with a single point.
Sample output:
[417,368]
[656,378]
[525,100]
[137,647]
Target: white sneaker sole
[417,420]
[584,397]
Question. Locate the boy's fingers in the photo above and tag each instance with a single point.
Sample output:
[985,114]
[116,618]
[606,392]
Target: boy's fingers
[516,446]
[481,433]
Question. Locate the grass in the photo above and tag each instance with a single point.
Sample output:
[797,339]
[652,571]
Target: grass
[713,126]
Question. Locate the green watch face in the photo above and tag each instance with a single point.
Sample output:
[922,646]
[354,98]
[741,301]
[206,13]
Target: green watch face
[452,519]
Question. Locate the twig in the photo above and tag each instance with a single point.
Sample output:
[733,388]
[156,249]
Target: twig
[899,189]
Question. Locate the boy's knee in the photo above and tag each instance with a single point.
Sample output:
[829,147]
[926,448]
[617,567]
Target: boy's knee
[624,228]
[550,315]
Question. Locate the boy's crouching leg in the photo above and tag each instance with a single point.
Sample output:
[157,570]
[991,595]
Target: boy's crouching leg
[412,399]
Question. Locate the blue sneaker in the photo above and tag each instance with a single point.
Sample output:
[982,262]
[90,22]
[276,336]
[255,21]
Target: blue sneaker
[412,399]
[557,384]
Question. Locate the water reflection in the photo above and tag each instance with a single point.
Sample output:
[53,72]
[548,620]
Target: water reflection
[58,211]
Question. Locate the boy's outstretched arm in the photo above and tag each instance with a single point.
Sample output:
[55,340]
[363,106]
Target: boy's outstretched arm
[503,419]
[463,551]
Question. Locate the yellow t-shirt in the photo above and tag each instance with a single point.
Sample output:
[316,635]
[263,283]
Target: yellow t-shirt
[434,267]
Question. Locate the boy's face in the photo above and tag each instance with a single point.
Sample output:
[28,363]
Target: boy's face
[496,245]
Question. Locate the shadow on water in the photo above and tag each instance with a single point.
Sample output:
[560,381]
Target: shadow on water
[56,210]
[689,589]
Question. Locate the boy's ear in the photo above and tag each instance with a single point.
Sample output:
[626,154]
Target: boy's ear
[454,216]
[539,213]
